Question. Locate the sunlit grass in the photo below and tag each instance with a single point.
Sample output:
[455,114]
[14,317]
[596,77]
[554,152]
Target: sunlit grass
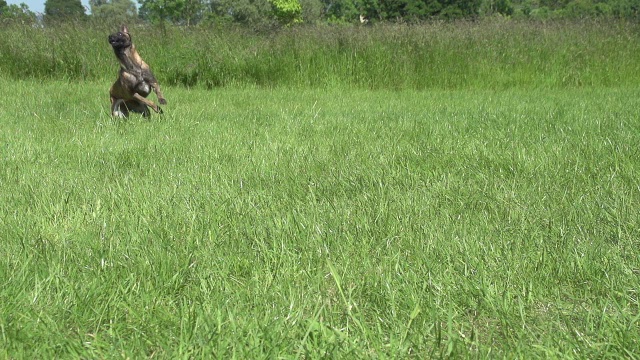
[285,223]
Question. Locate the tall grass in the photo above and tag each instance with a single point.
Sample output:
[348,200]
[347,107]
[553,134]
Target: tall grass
[458,55]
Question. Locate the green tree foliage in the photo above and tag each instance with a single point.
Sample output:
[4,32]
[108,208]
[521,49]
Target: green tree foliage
[421,10]
[576,9]
[411,10]
[625,8]
[503,7]
[312,11]
[287,11]
[113,10]
[184,12]
[17,13]
[63,9]
[370,10]
[400,10]
[252,13]
[266,14]
[454,9]
[340,10]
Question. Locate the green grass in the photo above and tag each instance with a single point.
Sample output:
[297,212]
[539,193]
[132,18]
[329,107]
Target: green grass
[486,55]
[276,223]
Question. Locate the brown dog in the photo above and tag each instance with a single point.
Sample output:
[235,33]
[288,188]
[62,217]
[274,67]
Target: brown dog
[135,79]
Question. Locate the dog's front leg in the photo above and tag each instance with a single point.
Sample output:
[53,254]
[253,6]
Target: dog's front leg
[150,79]
[148,102]
[156,88]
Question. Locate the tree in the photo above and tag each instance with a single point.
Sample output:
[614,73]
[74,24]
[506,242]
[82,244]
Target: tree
[629,9]
[370,10]
[16,13]
[253,13]
[341,10]
[503,7]
[176,11]
[311,11]
[409,10]
[287,11]
[554,4]
[113,9]
[63,9]
[460,9]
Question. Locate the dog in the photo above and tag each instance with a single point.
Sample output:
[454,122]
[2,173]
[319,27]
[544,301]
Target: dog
[135,80]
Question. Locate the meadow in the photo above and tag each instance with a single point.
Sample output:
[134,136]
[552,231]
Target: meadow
[333,220]
[493,55]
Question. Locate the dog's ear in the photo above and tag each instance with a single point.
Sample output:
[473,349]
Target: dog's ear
[124,29]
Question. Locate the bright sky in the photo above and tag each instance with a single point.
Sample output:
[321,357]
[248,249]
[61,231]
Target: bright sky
[37,6]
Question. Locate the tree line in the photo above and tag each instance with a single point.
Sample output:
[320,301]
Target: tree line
[269,13]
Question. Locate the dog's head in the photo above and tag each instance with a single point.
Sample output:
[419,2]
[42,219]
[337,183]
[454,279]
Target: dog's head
[121,39]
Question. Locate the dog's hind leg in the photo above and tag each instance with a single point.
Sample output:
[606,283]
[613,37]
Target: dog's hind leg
[119,108]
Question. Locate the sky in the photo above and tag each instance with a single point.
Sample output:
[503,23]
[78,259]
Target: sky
[37,6]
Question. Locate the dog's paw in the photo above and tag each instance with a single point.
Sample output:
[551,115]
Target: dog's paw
[118,114]
[162,101]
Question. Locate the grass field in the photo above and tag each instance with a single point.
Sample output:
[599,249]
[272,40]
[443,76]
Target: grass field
[286,223]
[486,55]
